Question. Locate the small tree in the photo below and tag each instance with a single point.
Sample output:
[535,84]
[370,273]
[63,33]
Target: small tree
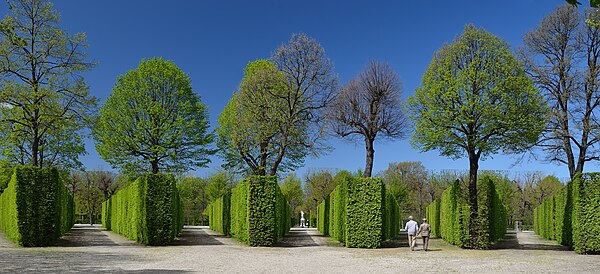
[476,99]
[153,121]
[368,106]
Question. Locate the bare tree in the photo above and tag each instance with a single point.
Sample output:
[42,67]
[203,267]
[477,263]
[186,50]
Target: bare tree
[311,83]
[369,105]
[563,53]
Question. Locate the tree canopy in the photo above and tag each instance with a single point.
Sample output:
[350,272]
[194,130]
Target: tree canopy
[44,100]
[369,106]
[475,99]
[153,121]
[275,118]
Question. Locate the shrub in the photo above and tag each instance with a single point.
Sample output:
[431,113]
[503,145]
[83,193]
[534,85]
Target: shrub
[359,213]
[239,211]
[219,216]
[433,217]
[323,216]
[36,208]
[364,208]
[147,210]
[449,216]
[258,213]
[586,215]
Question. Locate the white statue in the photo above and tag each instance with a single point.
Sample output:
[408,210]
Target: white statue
[302,220]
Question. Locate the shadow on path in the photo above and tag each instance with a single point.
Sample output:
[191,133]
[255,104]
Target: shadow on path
[527,240]
[85,235]
[198,235]
[302,237]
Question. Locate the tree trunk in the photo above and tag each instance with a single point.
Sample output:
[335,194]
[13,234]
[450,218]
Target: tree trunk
[370,155]
[473,168]
[35,146]
[154,164]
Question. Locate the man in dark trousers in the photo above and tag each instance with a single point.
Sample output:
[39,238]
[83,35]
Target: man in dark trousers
[424,230]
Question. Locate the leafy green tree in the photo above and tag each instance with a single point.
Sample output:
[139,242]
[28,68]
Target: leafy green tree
[275,119]
[153,121]
[44,100]
[193,197]
[253,126]
[408,182]
[476,99]
[317,185]
[369,106]
[547,187]
[593,3]
[291,188]
[218,184]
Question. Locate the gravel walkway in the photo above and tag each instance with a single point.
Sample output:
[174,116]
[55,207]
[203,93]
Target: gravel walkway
[91,249]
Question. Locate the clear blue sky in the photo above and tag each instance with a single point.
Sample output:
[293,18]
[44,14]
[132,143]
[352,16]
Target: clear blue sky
[212,41]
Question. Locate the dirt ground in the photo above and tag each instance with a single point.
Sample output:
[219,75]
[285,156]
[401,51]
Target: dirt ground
[91,249]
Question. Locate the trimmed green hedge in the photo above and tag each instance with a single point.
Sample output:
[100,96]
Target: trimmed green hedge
[147,210]
[358,213]
[239,211]
[586,215]
[36,208]
[433,217]
[323,216]
[572,215]
[258,213]
[449,216]
[219,215]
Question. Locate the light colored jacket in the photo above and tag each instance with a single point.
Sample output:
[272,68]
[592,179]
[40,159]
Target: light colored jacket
[424,230]
[411,227]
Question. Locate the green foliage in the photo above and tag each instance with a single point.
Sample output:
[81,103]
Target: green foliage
[593,3]
[586,217]
[36,208]
[323,216]
[292,191]
[219,214]
[258,213]
[9,221]
[147,210]
[194,199]
[44,100]
[359,212]
[476,94]
[239,211]
[255,125]
[433,217]
[391,217]
[218,185]
[364,220]
[450,216]
[6,172]
[153,121]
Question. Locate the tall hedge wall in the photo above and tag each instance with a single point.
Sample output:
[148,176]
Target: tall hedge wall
[36,208]
[147,210]
[258,213]
[358,213]
[449,216]
[572,215]
[219,215]
[433,217]
[239,211]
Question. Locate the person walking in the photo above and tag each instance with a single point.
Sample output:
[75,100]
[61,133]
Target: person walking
[411,229]
[424,230]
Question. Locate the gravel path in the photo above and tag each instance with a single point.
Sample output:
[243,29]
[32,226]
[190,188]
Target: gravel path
[90,249]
